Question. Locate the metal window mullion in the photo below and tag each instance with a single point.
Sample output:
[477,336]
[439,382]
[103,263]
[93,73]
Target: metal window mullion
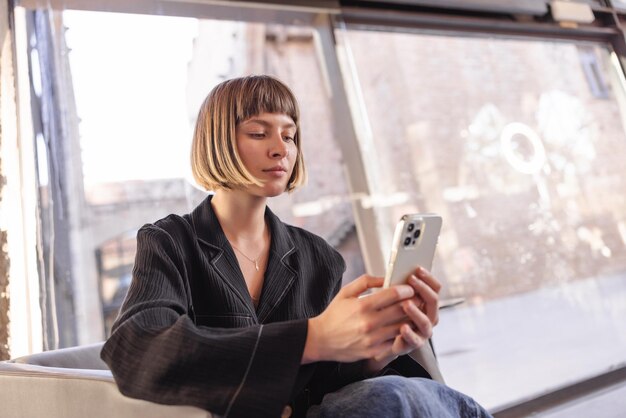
[345,129]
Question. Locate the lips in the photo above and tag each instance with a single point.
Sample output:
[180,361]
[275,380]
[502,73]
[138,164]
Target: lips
[275,169]
[276,172]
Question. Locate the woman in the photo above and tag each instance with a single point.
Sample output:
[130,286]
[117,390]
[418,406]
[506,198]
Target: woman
[235,312]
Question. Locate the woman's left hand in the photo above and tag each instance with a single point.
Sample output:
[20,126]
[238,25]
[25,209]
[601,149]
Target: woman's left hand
[422,315]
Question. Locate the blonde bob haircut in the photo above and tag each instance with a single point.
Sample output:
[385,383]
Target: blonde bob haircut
[215,160]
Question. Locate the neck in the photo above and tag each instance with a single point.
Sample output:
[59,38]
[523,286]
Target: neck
[241,215]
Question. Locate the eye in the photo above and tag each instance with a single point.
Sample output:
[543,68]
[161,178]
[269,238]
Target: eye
[256,135]
[288,138]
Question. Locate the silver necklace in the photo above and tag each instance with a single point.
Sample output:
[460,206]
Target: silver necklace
[253,260]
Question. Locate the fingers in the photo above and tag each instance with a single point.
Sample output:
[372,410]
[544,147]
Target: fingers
[428,296]
[360,285]
[407,341]
[388,297]
[392,314]
[412,339]
[381,335]
[428,278]
[382,350]
[419,318]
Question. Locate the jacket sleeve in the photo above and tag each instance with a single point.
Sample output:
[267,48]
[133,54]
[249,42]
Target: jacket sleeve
[157,353]
[331,376]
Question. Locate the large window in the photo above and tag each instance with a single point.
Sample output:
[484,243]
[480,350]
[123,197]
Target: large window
[137,93]
[519,145]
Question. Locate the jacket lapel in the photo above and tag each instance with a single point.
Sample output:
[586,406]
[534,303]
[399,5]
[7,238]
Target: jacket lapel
[220,254]
[280,273]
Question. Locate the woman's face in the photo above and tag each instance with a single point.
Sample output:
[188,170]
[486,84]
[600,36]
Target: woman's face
[267,148]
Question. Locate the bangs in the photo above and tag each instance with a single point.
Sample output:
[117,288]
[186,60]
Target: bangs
[263,94]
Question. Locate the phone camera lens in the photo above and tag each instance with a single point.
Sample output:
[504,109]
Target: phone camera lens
[416,234]
[407,241]
[411,227]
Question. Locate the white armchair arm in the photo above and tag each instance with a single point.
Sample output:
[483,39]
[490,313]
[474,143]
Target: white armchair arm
[42,390]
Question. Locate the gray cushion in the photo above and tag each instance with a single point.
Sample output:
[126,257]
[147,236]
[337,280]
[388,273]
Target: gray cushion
[82,357]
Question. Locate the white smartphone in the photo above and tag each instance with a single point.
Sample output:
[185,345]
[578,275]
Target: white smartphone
[414,243]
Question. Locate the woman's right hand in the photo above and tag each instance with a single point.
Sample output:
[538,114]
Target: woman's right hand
[353,328]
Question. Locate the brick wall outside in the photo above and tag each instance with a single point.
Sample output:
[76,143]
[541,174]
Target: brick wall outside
[438,107]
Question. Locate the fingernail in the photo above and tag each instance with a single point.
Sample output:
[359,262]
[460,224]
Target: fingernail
[414,279]
[406,306]
[405,291]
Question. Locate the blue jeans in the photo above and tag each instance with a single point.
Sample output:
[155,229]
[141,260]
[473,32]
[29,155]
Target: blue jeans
[397,397]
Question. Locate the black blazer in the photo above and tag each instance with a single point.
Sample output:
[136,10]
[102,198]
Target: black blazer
[188,332]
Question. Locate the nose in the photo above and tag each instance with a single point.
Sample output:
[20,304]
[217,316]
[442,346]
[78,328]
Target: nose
[279,147]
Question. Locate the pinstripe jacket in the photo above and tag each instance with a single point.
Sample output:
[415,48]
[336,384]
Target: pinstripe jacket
[188,332]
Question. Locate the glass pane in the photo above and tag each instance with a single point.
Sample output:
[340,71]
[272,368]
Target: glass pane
[138,90]
[519,145]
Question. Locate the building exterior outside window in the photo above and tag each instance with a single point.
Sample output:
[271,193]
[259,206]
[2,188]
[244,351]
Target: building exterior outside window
[522,157]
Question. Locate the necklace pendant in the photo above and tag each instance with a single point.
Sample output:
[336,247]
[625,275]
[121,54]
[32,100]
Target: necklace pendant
[256,265]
